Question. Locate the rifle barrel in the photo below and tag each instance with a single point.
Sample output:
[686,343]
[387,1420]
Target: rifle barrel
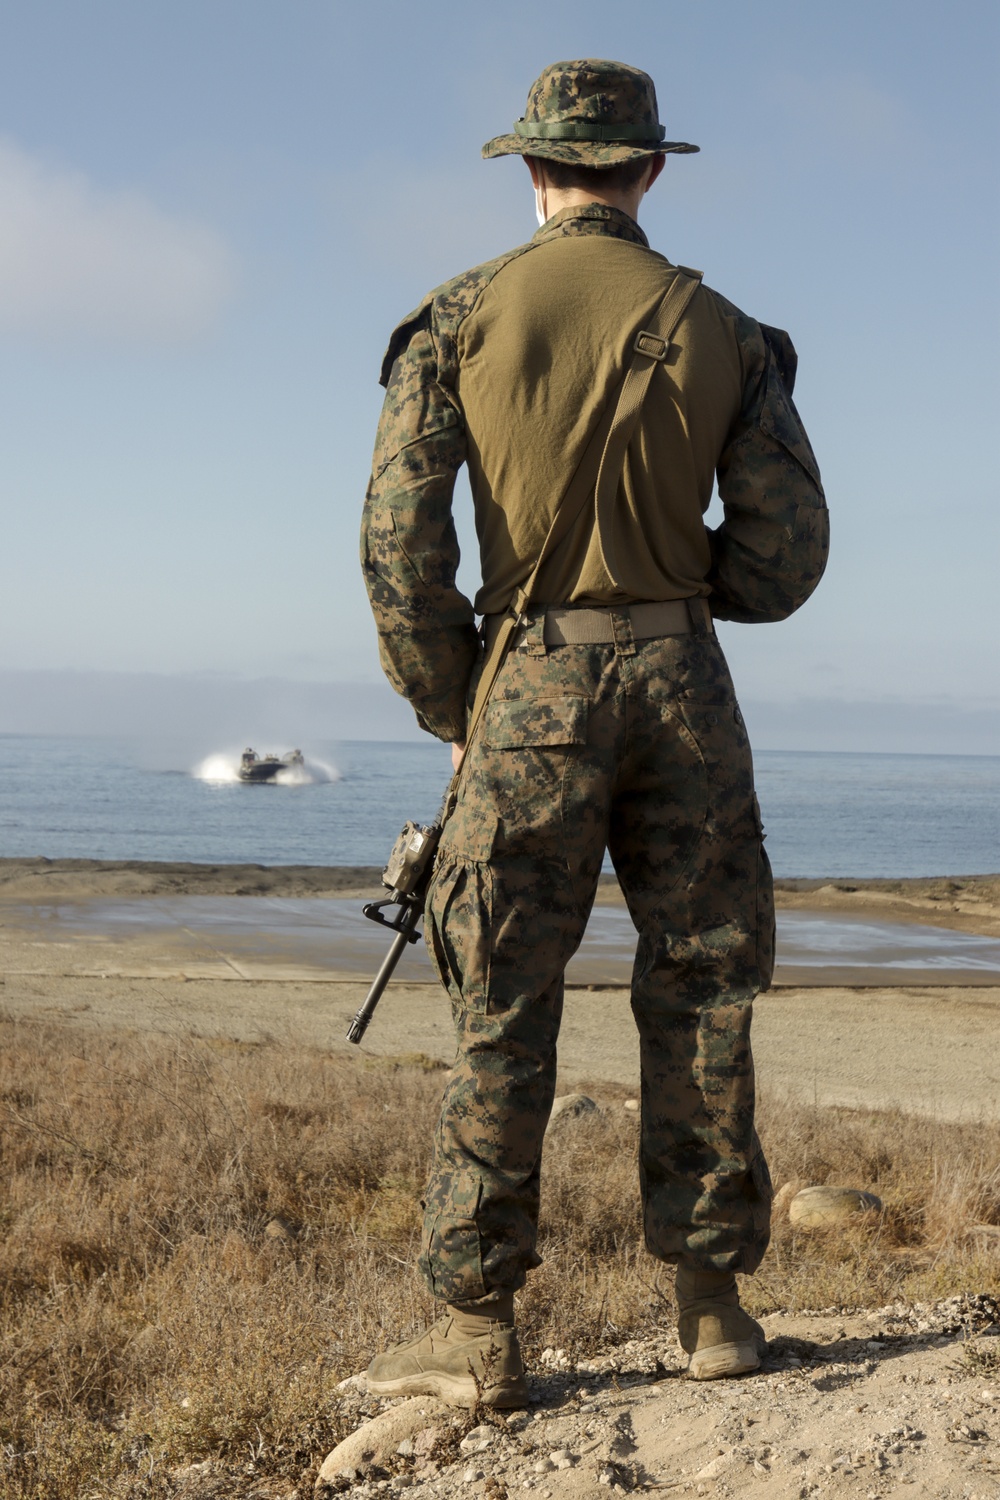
[360,1023]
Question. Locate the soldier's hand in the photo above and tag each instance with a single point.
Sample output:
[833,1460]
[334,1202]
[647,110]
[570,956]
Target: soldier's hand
[457,754]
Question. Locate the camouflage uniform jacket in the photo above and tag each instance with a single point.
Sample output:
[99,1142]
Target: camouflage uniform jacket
[729,413]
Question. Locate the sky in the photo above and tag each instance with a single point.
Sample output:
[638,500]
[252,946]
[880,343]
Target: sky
[213,212]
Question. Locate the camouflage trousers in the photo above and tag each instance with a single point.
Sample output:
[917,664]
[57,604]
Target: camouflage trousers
[638,748]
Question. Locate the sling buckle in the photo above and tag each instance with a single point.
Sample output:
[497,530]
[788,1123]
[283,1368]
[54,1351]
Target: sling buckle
[651,345]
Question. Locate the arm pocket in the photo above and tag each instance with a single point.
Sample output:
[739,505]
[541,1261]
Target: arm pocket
[780,421]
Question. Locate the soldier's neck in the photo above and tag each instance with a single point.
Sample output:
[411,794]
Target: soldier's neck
[628,202]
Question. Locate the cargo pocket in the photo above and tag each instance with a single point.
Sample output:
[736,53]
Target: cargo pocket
[459,930]
[527,746]
[453,1252]
[766,929]
[719,735]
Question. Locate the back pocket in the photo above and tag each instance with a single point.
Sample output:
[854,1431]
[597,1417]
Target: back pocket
[518,723]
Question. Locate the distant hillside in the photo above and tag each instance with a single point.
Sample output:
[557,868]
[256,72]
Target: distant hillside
[233,710]
[210,708]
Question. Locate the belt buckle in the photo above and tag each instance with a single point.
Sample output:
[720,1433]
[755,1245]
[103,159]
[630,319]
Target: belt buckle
[651,345]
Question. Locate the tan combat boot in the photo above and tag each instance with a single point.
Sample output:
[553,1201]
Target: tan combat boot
[720,1338]
[468,1340]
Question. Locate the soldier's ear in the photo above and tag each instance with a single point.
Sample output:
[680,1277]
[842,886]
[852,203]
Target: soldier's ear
[534,167]
[657,168]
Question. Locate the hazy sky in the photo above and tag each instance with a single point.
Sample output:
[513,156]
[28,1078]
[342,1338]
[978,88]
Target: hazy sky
[212,212]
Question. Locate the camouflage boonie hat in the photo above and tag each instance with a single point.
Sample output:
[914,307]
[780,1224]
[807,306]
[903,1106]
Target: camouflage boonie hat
[591,113]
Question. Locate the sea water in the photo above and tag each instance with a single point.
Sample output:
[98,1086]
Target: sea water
[835,815]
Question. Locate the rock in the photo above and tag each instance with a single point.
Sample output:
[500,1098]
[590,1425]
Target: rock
[714,1467]
[632,1104]
[193,1471]
[815,1207]
[377,1441]
[783,1198]
[426,1440]
[570,1107]
[478,1440]
[279,1230]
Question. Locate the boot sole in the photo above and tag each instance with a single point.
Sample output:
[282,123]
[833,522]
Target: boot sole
[722,1360]
[454,1390]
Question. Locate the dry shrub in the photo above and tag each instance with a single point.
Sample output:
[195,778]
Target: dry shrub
[937,1182]
[200,1239]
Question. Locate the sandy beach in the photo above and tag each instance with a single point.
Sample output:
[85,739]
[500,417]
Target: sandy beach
[93,942]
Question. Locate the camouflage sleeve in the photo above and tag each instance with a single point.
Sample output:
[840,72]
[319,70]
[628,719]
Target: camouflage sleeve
[409,550]
[770,551]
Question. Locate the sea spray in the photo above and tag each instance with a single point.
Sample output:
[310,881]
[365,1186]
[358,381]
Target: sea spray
[223,766]
[218,767]
[311,772]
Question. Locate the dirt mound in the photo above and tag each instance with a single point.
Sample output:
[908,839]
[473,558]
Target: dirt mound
[905,1400]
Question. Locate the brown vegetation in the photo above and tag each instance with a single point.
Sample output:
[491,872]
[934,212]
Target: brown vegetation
[201,1239]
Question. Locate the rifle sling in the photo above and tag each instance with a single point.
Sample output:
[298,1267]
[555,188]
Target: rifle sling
[610,439]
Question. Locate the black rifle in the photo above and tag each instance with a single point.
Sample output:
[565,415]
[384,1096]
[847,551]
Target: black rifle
[406,878]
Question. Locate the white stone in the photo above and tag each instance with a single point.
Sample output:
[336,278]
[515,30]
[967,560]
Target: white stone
[378,1440]
[815,1207]
[570,1107]
[782,1199]
[713,1469]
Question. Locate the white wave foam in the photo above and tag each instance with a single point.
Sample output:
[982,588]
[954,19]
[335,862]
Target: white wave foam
[219,767]
[224,766]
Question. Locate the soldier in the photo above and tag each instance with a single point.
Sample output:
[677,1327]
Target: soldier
[612,725]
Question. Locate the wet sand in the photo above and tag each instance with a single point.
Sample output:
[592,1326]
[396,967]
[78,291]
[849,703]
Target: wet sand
[927,1043]
[968,903]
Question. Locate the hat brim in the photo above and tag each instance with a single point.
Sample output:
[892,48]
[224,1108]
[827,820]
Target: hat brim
[582,153]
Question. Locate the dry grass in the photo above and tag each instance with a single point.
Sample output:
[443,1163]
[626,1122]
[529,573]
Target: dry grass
[201,1239]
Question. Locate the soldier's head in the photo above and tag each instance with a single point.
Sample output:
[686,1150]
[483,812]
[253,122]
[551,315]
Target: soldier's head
[590,130]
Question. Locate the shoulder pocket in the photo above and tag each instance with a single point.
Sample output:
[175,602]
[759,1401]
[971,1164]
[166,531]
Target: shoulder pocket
[511,723]
[401,335]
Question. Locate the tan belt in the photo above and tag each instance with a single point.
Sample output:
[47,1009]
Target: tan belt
[596,627]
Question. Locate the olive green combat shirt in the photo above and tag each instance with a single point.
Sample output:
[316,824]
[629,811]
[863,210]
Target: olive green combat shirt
[509,368]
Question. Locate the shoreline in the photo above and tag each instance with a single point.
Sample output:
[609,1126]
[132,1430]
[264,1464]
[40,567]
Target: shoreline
[966,903]
[924,1044]
[222,877]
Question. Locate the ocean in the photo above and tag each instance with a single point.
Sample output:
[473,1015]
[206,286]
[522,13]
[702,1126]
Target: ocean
[835,815]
